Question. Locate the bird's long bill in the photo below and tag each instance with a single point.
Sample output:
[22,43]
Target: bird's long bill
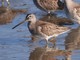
[19,24]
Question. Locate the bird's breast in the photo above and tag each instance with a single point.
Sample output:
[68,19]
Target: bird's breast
[32,28]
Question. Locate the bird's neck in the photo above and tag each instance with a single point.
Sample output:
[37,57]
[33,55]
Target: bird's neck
[33,21]
[31,27]
[31,24]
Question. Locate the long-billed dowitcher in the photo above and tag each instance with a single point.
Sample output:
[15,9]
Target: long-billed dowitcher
[49,5]
[7,2]
[72,10]
[43,29]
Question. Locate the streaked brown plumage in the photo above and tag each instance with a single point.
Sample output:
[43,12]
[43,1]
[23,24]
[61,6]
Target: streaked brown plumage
[72,10]
[43,29]
[49,5]
[49,28]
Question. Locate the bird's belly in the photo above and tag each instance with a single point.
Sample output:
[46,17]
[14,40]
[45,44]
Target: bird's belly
[39,36]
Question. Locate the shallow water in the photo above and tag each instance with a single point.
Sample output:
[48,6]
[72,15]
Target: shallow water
[15,45]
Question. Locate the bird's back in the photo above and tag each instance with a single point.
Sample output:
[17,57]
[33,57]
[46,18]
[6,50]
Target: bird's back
[50,28]
[46,4]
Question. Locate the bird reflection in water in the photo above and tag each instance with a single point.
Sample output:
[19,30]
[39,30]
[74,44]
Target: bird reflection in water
[72,41]
[49,53]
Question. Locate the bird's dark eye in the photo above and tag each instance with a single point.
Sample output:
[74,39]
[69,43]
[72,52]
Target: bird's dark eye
[29,16]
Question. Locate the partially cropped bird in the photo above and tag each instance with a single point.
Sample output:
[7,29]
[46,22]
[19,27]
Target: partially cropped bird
[72,10]
[42,29]
[6,1]
[49,5]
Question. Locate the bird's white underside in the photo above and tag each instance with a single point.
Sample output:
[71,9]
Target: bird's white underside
[55,35]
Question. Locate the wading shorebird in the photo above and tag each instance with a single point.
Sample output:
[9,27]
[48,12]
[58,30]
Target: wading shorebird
[72,10]
[49,5]
[42,29]
[6,1]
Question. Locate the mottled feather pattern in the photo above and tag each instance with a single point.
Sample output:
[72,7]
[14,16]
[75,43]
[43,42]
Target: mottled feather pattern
[76,14]
[74,10]
[78,11]
[50,5]
[49,28]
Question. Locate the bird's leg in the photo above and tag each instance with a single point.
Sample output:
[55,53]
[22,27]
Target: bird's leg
[54,45]
[47,41]
[44,35]
[51,14]
[2,3]
[8,4]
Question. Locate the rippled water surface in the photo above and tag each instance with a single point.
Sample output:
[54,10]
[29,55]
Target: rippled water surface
[15,45]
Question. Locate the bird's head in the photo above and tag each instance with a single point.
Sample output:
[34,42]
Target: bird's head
[29,17]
